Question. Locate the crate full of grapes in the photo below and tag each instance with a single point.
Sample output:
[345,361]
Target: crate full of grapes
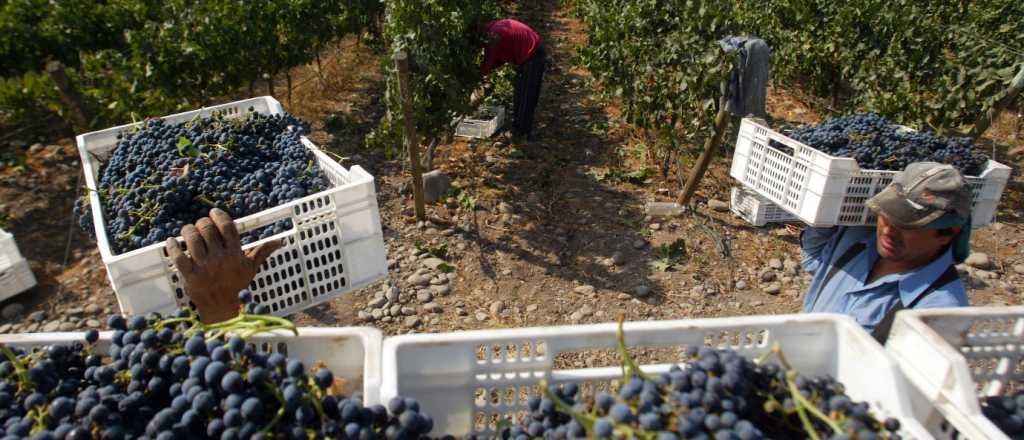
[744,377]
[154,377]
[482,125]
[968,368]
[823,174]
[147,180]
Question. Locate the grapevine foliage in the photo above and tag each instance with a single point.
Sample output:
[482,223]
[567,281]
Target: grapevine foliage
[935,65]
[444,46]
[662,59]
[931,65]
[138,57]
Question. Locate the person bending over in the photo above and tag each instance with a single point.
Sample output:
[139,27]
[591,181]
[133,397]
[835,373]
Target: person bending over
[511,41]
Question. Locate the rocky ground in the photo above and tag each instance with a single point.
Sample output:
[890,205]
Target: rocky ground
[546,233]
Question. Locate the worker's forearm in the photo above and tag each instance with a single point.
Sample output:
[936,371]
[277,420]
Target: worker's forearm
[813,245]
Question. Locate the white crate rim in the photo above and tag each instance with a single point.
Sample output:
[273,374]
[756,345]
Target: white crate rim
[955,393]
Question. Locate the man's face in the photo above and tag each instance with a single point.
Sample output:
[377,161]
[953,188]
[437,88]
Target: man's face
[917,246]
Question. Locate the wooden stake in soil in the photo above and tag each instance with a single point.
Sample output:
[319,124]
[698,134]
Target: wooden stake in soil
[710,146]
[411,142]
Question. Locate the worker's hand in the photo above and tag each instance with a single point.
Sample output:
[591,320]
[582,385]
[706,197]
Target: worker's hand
[216,268]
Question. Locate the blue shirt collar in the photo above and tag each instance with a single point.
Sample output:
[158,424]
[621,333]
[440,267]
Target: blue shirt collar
[912,284]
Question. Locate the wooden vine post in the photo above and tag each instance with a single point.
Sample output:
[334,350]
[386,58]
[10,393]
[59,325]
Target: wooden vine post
[69,96]
[411,142]
[710,147]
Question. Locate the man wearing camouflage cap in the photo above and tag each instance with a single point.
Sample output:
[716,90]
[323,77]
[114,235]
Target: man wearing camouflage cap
[907,261]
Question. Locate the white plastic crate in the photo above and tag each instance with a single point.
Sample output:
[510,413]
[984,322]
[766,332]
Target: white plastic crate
[335,245]
[824,190]
[482,128]
[9,254]
[468,381]
[953,356]
[15,279]
[756,209]
[351,353]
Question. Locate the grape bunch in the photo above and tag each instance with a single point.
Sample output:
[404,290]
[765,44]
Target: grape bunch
[164,176]
[178,378]
[878,144]
[1007,412]
[718,394]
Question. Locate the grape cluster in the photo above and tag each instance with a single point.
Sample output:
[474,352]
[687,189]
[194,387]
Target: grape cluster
[718,395]
[878,144]
[163,176]
[1007,412]
[180,379]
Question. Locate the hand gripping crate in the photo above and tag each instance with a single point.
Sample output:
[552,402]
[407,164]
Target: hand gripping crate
[469,381]
[335,245]
[825,190]
[954,356]
[756,209]
[482,128]
[351,353]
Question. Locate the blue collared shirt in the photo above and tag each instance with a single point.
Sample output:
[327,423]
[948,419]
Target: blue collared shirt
[847,293]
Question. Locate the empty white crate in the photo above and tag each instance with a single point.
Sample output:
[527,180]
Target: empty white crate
[468,381]
[9,253]
[953,356]
[756,209]
[824,190]
[15,273]
[351,353]
[15,279]
[482,128]
[335,246]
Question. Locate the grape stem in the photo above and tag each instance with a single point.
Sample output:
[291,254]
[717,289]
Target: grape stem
[629,366]
[38,420]
[800,410]
[280,411]
[19,368]
[317,396]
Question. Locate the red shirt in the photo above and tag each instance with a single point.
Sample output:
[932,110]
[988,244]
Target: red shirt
[516,44]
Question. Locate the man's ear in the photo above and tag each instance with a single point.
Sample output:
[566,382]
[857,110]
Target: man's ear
[948,238]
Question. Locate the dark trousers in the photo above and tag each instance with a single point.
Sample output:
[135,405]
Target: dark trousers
[529,77]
